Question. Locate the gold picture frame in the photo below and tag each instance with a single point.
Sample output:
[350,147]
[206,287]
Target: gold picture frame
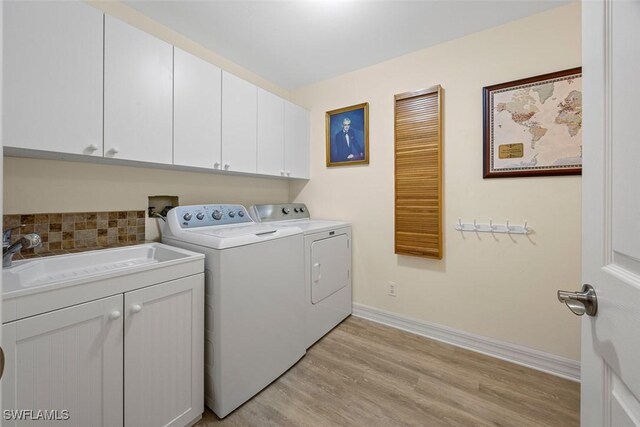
[347,136]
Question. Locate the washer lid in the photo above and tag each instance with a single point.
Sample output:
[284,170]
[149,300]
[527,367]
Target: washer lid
[230,237]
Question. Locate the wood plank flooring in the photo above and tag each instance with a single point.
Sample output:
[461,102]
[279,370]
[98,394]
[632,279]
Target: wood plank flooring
[366,374]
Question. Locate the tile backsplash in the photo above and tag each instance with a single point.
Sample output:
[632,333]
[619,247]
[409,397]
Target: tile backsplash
[78,231]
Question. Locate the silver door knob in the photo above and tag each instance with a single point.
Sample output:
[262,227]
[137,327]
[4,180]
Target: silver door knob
[583,302]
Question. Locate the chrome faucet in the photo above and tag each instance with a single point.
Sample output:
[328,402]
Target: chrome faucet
[27,241]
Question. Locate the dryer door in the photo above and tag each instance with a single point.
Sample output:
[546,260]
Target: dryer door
[330,265]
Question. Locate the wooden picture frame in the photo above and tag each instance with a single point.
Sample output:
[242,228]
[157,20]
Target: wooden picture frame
[347,136]
[533,126]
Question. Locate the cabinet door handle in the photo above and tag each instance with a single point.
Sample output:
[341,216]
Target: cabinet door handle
[136,308]
[92,147]
[114,151]
[1,362]
[115,314]
[216,165]
[227,165]
[288,173]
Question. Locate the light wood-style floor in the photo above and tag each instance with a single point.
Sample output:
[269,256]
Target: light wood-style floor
[366,374]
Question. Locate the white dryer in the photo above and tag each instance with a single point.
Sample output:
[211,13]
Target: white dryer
[327,264]
[253,299]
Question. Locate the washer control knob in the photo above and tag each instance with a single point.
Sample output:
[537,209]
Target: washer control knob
[200,216]
[302,209]
[187,216]
[296,210]
[240,214]
[231,214]
[286,210]
[217,215]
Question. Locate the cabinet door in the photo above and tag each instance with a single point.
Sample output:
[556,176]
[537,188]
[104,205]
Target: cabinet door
[270,133]
[138,94]
[296,141]
[164,353]
[196,111]
[239,121]
[69,359]
[53,77]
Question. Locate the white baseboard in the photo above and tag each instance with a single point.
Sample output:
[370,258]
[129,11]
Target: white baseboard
[535,359]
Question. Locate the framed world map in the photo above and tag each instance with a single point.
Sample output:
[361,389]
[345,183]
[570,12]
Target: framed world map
[533,126]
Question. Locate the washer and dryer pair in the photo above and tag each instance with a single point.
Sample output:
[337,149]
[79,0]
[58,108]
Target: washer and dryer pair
[271,290]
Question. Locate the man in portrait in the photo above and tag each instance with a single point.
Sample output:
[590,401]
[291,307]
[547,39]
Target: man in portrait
[346,145]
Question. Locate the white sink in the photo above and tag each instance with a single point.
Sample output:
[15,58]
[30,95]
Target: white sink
[73,269]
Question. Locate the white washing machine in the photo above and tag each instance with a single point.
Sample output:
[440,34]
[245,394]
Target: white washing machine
[254,302]
[327,265]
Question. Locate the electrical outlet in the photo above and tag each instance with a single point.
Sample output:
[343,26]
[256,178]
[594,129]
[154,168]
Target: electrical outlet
[392,289]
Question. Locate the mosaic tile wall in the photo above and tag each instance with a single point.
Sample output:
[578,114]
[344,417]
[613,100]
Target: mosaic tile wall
[75,232]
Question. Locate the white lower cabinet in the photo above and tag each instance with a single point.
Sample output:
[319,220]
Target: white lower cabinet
[132,359]
[67,360]
[164,354]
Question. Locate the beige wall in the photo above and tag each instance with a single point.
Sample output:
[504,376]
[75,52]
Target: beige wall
[499,287]
[41,186]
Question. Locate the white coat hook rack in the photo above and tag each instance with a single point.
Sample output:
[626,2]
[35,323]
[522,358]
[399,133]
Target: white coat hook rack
[493,228]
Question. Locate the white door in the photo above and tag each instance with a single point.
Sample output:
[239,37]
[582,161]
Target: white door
[330,264]
[270,133]
[611,213]
[53,76]
[197,96]
[239,124]
[138,94]
[1,207]
[164,353]
[66,360]
[296,141]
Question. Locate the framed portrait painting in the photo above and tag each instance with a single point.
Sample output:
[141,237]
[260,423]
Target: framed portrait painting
[348,136]
[533,126]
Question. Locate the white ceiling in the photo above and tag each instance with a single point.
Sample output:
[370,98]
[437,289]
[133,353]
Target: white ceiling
[296,43]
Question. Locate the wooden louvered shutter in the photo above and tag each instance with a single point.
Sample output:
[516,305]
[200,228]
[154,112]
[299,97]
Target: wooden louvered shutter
[418,173]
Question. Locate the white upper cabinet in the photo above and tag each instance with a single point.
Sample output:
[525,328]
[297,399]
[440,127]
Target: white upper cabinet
[196,111]
[239,124]
[138,94]
[296,141]
[53,77]
[79,83]
[270,133]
